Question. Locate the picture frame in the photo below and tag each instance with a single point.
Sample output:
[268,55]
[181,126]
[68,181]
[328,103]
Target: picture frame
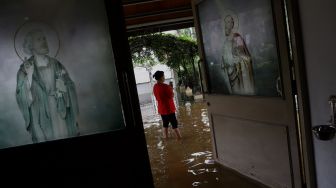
[238,60]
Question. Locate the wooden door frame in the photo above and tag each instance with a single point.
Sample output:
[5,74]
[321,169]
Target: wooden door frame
[299,80]
[302,91]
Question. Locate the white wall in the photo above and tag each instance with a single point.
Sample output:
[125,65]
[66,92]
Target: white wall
[319,37]
[167,71]
[142,75]
[144,86]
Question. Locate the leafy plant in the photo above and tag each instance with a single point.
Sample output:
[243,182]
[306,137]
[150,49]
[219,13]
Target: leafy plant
[180,53]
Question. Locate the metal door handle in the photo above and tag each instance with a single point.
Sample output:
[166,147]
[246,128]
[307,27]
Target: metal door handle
[324,132]
[327,132]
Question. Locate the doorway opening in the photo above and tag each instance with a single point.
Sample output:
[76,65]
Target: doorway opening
[187,162]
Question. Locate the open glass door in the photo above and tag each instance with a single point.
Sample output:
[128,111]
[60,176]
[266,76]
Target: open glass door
[69,100]
[249,90]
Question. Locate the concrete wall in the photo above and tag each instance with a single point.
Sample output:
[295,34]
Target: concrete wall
[318,30]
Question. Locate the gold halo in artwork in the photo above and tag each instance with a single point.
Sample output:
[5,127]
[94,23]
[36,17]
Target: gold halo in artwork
[234,16]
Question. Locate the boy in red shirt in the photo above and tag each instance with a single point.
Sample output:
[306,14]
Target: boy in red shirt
[166,107]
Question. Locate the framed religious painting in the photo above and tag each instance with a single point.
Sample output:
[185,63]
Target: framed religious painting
[58,75]
[240,47]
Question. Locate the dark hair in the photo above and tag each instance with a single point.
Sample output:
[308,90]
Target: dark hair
[158,74]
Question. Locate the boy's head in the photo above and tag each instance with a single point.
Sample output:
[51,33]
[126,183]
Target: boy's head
[159,76]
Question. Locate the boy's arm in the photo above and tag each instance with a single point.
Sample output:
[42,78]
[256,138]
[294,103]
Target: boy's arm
[170,93]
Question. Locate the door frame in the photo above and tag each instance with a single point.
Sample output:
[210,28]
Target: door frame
[295,43]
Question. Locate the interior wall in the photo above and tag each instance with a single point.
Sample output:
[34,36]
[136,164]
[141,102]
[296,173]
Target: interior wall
[318,32]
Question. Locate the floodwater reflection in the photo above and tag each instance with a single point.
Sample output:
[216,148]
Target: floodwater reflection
[187,162]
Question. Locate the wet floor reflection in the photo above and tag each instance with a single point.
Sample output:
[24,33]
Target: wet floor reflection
[187,162]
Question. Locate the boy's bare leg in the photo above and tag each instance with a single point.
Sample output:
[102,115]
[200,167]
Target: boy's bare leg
[165,132]
[177,133]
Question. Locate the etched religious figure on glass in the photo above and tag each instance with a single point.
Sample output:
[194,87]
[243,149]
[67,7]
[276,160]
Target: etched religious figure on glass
[45,93]
[236,61]
[58,76]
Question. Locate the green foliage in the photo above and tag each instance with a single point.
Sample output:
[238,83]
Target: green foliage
[174,51]
[179,52]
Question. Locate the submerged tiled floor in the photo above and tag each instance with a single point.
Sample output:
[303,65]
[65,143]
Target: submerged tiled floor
[187,162]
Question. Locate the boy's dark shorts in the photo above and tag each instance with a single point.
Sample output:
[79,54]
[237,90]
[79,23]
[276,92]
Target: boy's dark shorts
[170,118]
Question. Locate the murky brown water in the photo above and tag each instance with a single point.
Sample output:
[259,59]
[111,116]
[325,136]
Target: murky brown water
[187,162]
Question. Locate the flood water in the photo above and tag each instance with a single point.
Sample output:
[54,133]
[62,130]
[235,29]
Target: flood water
[187,162]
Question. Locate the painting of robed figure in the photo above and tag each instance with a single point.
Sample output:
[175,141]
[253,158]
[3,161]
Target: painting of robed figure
[240,47]
[236,59]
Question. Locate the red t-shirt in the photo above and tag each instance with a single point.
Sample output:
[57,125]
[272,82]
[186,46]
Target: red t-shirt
[165,98]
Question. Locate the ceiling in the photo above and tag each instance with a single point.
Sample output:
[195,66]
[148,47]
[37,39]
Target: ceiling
[157,15]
